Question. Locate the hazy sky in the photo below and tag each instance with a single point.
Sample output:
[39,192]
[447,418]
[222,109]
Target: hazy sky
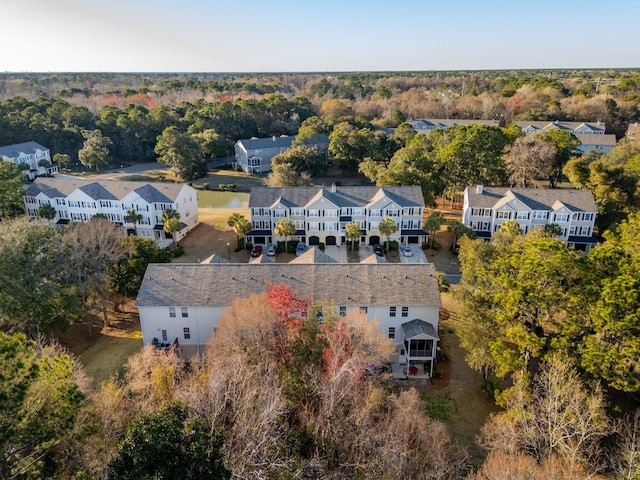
[305,35]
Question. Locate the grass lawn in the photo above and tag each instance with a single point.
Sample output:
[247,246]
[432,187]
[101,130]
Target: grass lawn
[108,356]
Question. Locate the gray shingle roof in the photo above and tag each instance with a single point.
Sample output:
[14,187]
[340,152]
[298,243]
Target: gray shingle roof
[283,141]
[264,197]
[534,198]
[314,255]
[342,284]
[158,192]
[590,139]
[13,151]
[418,327]
[545,124]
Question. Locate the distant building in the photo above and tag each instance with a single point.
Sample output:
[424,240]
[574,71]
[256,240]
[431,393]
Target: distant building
[31,154]
[592,136]
[426,125]
[78,200]
[633,132]
[254,155]
[574,211]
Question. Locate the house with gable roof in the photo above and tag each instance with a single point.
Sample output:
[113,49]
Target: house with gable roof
[253,155]
[485,209]
[592,136]
[181,304]
[30,154]
[78,200]
[321,214]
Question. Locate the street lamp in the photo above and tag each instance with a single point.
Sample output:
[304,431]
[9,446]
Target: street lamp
[228,251]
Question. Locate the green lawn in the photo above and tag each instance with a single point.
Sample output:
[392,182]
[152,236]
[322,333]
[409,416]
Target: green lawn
[108,356]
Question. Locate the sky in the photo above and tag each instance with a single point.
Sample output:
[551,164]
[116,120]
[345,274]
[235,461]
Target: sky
[316,36]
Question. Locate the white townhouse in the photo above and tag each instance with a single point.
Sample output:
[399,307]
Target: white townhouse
[321,214]
[426,125]
[30,154]
[254,155]
[574,211]
[181,304]
[78,200]
[592,136]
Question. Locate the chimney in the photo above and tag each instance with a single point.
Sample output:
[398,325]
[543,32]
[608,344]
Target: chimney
[479,190]
[333,188]
[273,138]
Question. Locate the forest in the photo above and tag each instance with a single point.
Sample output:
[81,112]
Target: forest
[281,395]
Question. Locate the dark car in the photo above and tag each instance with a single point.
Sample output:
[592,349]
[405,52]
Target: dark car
[257,251]
[300,248]
[378,250]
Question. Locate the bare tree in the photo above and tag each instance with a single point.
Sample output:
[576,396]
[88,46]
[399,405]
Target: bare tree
[554,414]
[529,159]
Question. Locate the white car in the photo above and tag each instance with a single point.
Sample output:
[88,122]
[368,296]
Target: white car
[406,251]
[271,250]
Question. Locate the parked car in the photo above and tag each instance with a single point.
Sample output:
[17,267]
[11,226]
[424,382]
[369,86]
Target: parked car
[300,248]
[271,250]
[257,251]
[378,250]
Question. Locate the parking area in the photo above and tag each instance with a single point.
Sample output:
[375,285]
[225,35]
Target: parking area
[417,255]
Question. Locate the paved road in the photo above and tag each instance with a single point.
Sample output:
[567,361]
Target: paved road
[453,278]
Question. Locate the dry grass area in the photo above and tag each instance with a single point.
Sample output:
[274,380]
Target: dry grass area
[104,351]
[212,236]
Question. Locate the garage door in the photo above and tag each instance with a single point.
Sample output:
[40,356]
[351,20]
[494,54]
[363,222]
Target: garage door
[314,240]
[413,240]
[374,240]
[331,240]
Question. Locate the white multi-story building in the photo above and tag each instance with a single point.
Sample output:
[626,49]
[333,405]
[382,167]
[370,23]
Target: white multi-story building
[77,200]
[574,211]
[253,155]
[321,214]
[31,154]
[183,303]
[592,136]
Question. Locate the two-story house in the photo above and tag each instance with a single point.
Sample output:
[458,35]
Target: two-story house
[253,155]
[35,158]
[183,303]
[78,200]
[574,211]
[592,136]
[321,214]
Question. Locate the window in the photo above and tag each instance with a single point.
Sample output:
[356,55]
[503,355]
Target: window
[392,311]
[504,215]
[539,215]
[187,333]
[375,213]
[313,212]
[585,232]
[331,213]
[405,311]
[561,217]
[358,212]
[392,332]
[185,312]
[364,310]
[297,212]
[279,214]
[172,312]
[522,216]
[393,213]
[342,311]
[164,335]
[588,217]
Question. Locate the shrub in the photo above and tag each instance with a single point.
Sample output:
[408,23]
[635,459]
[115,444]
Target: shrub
[232,187]
[437,373]
[222,187]
[205,186]
[443,283]
[393,245]
[291,246]
[249,246]
[436,245]
[321,246]
[424,245]
[280,247]
[178,251]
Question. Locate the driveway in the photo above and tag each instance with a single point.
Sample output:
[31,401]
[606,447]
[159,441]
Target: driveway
[417,256]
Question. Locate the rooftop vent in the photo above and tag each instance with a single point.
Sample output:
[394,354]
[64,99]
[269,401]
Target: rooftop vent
[479,190]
